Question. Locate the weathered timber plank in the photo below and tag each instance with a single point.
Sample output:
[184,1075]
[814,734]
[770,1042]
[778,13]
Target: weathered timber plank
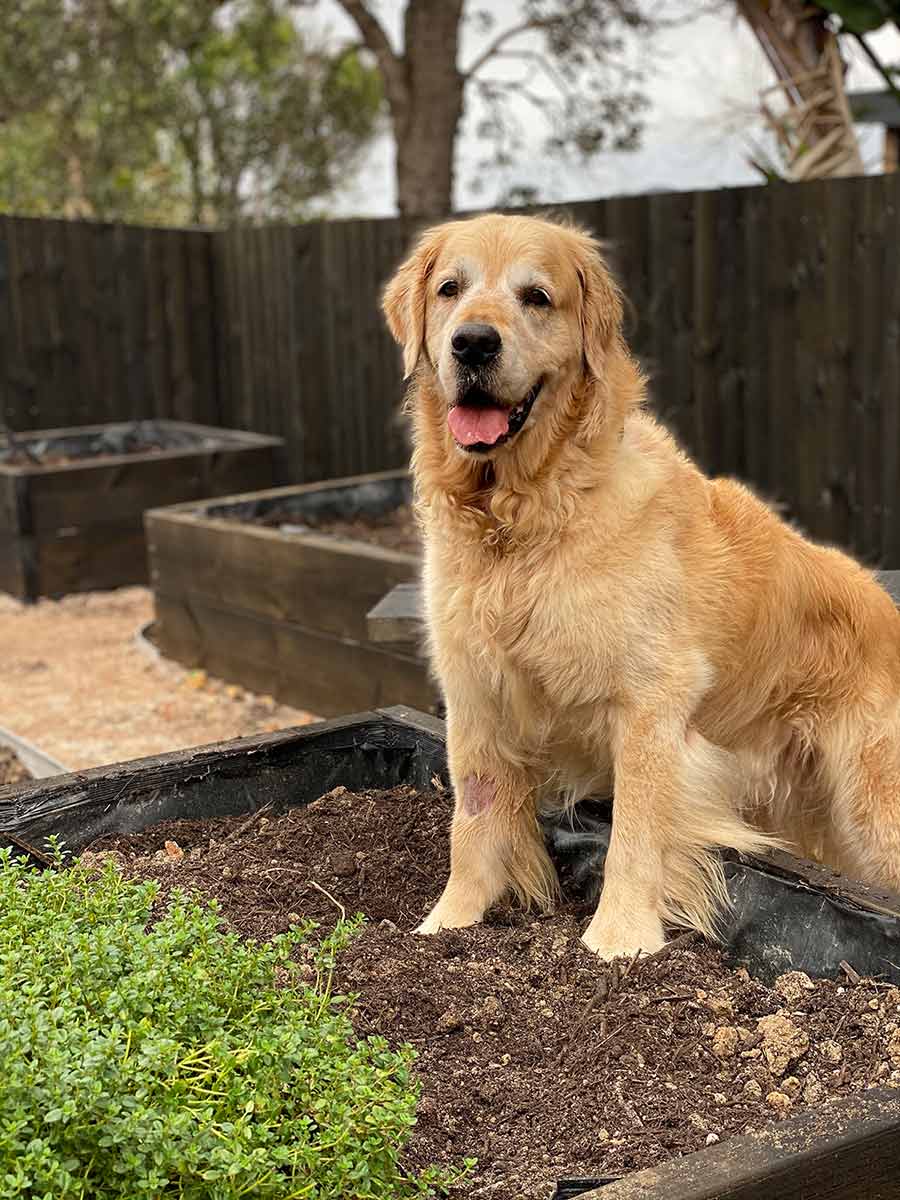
[90,558]
[847,1150]
[324,584]
[398,616]
[86,493]
[9,504]
[324,675]
[12,566]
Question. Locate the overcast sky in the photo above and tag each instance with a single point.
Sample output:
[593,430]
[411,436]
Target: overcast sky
[703,91]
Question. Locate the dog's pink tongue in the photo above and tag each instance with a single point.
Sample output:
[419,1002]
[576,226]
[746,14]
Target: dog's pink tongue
[471,424]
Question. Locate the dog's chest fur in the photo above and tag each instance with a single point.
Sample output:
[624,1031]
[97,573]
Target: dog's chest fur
[511,628]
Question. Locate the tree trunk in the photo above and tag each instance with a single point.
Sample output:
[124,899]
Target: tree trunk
[427,113]
[804,54]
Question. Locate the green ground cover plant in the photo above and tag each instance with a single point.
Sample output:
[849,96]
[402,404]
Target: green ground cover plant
[170,1058]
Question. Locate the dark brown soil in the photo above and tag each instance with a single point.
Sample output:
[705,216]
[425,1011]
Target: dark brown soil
[394,530]
[11,768]
[533,1056]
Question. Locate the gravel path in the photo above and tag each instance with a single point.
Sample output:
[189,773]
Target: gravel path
[76,684]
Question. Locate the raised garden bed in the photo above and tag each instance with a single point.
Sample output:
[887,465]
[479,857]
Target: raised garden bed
[515,1021]
[72,500]
[271,590]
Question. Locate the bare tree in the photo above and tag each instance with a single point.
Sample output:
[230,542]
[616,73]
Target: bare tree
[574,46]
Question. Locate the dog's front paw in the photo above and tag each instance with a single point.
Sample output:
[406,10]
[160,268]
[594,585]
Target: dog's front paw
[444,916]
[625,943]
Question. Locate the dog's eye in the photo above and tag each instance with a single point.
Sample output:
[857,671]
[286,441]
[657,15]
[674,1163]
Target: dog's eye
[536,297]
[449,288]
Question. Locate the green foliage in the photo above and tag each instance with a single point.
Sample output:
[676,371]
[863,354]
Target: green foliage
[174,1059]
[863,16]
[168,110]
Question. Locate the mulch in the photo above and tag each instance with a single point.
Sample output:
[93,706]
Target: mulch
[12,769]
[23,454]
[533,1056]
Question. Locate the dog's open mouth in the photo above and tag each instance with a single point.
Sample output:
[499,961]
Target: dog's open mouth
[478,422]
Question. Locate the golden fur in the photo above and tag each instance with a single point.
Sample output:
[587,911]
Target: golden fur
[598,608]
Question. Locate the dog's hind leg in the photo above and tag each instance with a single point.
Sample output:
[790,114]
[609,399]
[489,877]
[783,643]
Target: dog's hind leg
[495,846]
[862,778]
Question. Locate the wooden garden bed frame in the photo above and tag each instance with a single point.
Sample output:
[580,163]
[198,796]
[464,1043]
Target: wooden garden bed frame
[78,526]
[847,1150]
[284,613]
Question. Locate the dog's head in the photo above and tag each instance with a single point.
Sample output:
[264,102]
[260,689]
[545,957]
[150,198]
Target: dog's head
[508,312]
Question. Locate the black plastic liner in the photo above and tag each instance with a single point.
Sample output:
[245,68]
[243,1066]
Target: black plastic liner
[787,914]
[568,1189]
[285,769]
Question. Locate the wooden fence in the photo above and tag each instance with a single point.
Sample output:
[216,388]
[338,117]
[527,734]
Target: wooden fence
[768,317]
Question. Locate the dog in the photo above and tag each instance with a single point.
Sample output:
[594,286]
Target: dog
[600,613]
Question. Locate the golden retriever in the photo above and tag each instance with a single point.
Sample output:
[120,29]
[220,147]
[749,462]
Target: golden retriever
[598,610]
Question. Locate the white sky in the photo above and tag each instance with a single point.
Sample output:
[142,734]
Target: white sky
[703,91]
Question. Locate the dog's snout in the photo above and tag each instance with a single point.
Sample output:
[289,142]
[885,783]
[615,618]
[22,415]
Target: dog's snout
[475,344]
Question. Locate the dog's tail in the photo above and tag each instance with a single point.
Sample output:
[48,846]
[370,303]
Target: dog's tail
[704,820]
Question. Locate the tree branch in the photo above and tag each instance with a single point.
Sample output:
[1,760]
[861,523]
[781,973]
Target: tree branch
[376,40]
[501,40]
[543,63]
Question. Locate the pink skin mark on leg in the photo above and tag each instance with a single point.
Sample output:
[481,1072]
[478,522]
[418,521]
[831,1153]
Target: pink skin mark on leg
[478,794]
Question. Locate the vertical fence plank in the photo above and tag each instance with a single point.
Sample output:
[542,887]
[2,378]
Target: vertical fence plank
[132,299]
[868,342]
[671,299]
[6,364]
[83,322]
[310,298]
[837,352]
[779,300]
[25,367]
[732,323]
[227,329]
[203,325]
[180,379]
[889,391]
[807,446]
[707,336]
[753,348]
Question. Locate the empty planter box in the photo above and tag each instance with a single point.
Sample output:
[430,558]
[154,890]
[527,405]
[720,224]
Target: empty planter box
[72,500]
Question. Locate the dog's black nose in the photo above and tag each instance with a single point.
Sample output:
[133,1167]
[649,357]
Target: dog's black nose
[475,344]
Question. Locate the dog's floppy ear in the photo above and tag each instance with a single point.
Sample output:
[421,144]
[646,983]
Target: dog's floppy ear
[601,305]
[404,297]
